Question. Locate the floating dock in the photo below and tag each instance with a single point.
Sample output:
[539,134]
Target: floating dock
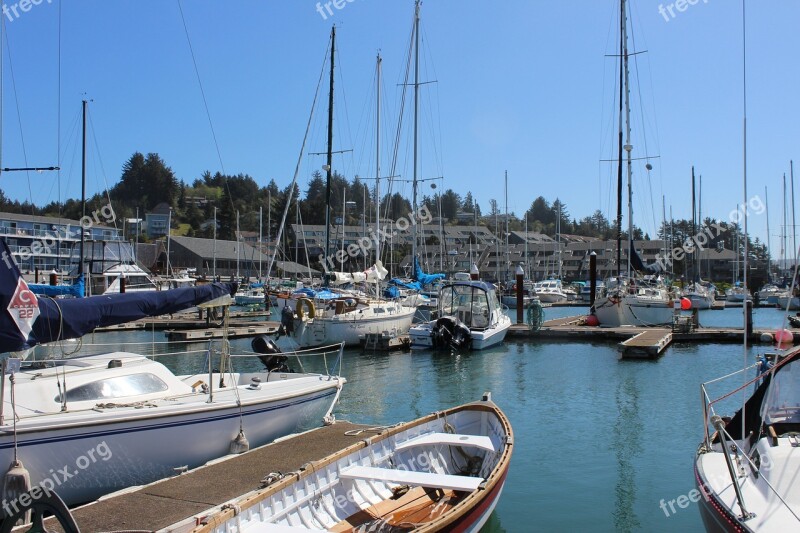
[234,332]
[188,321]
[185,496]
[634,342]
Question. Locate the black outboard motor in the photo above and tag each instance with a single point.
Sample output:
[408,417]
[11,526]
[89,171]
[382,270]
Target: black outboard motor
[450,333]
[272,358]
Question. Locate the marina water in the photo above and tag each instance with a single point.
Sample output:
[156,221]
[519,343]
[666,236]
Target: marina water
[600,444]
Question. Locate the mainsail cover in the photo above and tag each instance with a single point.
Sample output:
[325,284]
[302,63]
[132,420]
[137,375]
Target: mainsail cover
[638,265]
[27,320]
[422,277]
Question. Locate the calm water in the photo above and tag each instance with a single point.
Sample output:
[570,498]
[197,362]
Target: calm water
[599,442]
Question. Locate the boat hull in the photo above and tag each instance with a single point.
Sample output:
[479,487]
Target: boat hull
[699,301]
[116,452]
[422,335]
[347,328]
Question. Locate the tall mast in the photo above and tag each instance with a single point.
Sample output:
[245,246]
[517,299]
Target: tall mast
[694,232]
[260,236]
[699,222]
[329,164]
[214,257]
[619,152]
[377,159]
[169,235]
[269,223]
[238,245]
[794,227]
[769,245]
[83,187]
[506,193]
[628,147]
[416,113]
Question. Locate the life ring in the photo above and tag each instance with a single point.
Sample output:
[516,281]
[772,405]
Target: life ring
[312,312]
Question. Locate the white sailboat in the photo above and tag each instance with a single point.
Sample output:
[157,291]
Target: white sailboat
[343,318]
[628,300]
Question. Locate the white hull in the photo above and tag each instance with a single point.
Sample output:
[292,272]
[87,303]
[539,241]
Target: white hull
[348,327]
[792,302]
[94,447]
[551,297]
[249,300]
[422,335]
[633,310]
[700,301]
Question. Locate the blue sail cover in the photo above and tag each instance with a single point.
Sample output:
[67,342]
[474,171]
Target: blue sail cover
[77,289]
[27,320]
[422,277]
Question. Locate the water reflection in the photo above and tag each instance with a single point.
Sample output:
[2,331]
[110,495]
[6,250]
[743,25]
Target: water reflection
[627,434]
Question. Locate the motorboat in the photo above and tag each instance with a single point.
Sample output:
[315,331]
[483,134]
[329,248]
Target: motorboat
[550,291]
[442,472]
[134,278]
[768,295]
[746,467]
[469,316]
[251,295]
[737,294]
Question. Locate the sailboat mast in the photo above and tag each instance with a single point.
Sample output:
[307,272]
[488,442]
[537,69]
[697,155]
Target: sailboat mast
[260,237]
[619,142]
[506,193]
[238,245]
[416,131]
[214,257]
[329,164]
[769,246]
[694,232]
[628,147]
[83,187]
[794,226]
[377,159]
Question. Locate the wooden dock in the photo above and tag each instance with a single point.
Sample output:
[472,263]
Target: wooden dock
[234,332]
[161,504]
[634,342]
[187,321]
[649,343]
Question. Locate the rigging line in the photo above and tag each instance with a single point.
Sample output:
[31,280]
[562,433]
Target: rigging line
[19,119]
[643,121]
[205,102]
[100,162]
[299,162]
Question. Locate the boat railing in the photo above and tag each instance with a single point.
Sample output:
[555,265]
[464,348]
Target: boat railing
[728,445]
[333,370]
[709,404]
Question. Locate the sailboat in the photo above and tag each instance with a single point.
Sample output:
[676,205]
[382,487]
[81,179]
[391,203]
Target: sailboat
[630,300]
[343,317]
[696,291]
[149,420]
[746,467]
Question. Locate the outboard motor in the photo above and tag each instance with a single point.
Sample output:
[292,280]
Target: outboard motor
[272,358]
[449,332]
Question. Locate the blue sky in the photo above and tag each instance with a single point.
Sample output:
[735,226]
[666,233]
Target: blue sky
[521,85]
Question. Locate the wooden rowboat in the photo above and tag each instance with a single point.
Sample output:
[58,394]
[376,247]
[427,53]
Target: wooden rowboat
[442,472]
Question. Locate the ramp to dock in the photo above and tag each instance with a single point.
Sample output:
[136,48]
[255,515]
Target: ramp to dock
[160,505]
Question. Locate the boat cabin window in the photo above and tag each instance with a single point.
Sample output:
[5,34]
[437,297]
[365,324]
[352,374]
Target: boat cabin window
[116,387]
[782,404]
[470,304]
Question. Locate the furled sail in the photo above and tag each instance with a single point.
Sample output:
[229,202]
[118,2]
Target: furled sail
[27,320]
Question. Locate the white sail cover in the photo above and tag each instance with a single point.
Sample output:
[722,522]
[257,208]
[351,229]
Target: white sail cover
[374,273]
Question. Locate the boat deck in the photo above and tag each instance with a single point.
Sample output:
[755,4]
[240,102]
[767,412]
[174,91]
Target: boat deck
[165,503]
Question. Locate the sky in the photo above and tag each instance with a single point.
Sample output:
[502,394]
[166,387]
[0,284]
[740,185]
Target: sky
[523,86]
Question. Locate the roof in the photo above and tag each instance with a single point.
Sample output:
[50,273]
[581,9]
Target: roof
[161,209]
[290,267]
[222,250]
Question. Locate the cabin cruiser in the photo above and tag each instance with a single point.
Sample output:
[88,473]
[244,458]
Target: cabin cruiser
[551,291]
[469,316]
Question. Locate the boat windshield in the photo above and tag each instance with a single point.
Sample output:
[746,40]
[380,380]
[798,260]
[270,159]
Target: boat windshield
[472,305]
[782,404]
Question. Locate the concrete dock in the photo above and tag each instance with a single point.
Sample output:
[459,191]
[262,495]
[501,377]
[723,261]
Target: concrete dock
[161,504]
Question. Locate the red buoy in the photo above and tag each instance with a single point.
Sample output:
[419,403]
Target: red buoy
[592,320]
[686,304]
